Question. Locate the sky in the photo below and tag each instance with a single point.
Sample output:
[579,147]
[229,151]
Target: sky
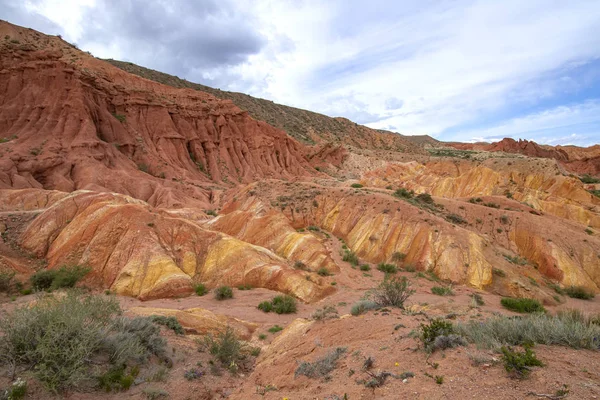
[464,70]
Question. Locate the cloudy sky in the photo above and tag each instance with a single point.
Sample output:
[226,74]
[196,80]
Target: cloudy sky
[466,70]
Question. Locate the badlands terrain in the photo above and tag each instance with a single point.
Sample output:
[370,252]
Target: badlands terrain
[161,189]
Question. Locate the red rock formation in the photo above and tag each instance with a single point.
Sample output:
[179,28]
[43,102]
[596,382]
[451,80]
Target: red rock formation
[70,121]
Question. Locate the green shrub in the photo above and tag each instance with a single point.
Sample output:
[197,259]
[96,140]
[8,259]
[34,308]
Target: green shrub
[477,299]
[16,391]
[275,329]
[327,312]
[321,367]
[200,289]
[567,328]
[245,287]
[115,379]
[64,277]
[350,257]
[120,117]
[362,307]
[223,293]
[387,268]
[356,185]
[6,280]
[392,292]
[424,198]
[365,267]
[212,213]
[491,205]
[59,336]
[324,272]
[456,219]
[442,290]
[225,347]
[518,363]
[170,322]
[403,193]
[499,272]
[265,306]
[437,327]
[579,292]
[284,304]
[398,256]
[522,305]
[589,179]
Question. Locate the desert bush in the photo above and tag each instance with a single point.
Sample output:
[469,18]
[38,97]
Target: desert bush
[477,299]
[522,305]
[321,367]
[436,328]
[362,307]
[424,198]
[491,205]
[265,306]
[456,219]
[170,322]
[60,335]
[350,257]
[442,290]
[387,268]
[365,267]
[115,379]
[444,342]
[64,277]
[356,185]
[323,272]
[284,304]
[579,292]
[393,292]
[223,293]
[300,265]
[225,347]
[6,280]
[192,374]
[403,193]
[567,328]
[16,391]
[518,363]
[327,312]
[200,289]
[275,329]
[398,256]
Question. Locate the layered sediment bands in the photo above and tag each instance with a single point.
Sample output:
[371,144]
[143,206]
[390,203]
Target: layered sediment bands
[538,186]
[28,199]
[581,160]
[200,320]
[252,222]
[138,252]
[74,122]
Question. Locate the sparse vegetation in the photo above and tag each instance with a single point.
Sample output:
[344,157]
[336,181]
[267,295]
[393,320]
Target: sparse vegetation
[515,259]
[212,213]
[284,304]
[404,194]
[522,305]
[350,257]
[323,272]
[362,306]
[579,292]
[568,328]
[387,268]
[122,118]
[430,332]
[365,267]
[275,329]
[477,299]
[223,293]
[225,347]
[59,335]
[589,179]
[517,363]
[456,219]
[327,312]
[170,322]
[265,306]
[6,280]
[53,279]
[200,289]
[491,205]
[321,367]
[356,185]
[393,292]
[398,257]
[442,290]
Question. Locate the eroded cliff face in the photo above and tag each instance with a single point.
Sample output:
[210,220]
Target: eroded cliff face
[74,122]
[537,185]
[377,226]
[136,251]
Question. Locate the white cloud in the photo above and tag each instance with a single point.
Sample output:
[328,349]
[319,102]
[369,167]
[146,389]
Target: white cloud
[580,121]
[422,68]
